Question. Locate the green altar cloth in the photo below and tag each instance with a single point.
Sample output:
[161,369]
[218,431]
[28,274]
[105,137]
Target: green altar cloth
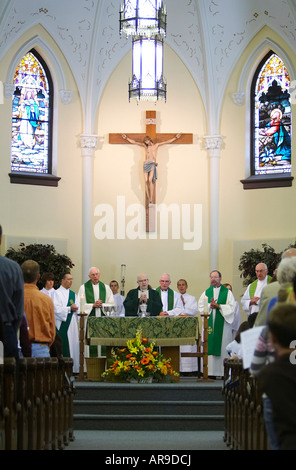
[164,331]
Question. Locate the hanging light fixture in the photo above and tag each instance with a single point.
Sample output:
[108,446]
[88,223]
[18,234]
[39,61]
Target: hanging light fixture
[147,81]
[142,18]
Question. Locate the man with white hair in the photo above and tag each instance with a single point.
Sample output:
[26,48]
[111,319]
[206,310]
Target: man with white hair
[272,289]
[92,295]
[171,300]
[251,298]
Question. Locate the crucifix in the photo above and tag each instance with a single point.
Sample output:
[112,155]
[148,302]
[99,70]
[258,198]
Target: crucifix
[150,141]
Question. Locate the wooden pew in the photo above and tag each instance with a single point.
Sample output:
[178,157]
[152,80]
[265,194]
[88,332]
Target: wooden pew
[10,403]
[244,422]
[22,400]
[36,404]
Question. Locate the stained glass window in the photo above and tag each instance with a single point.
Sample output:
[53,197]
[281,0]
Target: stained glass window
[31,117]
[271,111]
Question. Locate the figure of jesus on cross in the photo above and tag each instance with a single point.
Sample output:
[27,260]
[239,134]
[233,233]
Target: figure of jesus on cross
[150,164]
[150,141]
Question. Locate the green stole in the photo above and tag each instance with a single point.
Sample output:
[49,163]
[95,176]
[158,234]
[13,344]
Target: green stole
[215,332]
[253,286]
[63,331]
[170,299]
[90,299]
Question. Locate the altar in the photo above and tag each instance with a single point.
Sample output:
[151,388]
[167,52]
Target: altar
[167,332]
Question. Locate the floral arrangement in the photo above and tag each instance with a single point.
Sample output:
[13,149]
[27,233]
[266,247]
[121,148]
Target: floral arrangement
[138,361]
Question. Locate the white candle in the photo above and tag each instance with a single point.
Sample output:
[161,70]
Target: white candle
[82,303]
[206,305]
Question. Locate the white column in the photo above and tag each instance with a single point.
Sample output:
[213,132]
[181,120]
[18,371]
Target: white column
[213,145]
[88,146]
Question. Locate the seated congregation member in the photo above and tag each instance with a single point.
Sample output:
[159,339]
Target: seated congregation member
[220,303]
[95,293]
[142,294]
[187,364]
[118,298]
[39,311]
[171,300]
[278,379]
[264,354]
[66,306]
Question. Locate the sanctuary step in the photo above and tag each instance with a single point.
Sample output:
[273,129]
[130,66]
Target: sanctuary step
[183,406]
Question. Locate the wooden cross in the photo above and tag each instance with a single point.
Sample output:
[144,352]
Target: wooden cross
[156,138]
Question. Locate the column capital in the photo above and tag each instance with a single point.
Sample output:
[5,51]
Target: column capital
[213,142]
[88,143]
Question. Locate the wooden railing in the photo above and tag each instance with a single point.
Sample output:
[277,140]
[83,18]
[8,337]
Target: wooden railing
[244,422]
[36,404]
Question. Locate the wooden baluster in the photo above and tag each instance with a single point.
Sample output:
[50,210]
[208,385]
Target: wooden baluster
[47,404]
[40,368]
[32,405]
[61,404]
[54,401]
[22,399]
[227,372]
[70,393]
[10,404]
[245,407]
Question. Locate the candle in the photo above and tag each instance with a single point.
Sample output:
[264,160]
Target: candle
[206,305]
[82,303]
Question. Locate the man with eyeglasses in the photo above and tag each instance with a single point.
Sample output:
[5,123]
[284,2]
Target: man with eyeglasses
[142,294]
[251,298]
[171,300]
[92,295]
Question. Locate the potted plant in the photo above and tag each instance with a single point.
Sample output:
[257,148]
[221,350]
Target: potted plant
[251,258]
[46,256]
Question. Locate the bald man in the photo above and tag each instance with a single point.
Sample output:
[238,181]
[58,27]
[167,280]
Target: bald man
[142,294]
[251,298]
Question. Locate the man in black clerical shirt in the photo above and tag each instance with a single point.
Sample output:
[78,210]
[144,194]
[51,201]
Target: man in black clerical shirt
[143,294]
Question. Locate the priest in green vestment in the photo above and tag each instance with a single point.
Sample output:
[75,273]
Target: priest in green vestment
[219,302]
[251,298]
[93,294]
[171,300]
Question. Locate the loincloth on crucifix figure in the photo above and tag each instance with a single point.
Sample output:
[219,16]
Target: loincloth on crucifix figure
[150,163]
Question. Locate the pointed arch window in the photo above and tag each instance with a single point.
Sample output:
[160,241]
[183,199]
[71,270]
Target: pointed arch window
[32,118]
[271,125]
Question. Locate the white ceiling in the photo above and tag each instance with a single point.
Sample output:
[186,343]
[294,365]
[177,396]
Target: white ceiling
[208,35]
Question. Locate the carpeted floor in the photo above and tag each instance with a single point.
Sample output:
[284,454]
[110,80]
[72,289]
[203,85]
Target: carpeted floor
[150,440]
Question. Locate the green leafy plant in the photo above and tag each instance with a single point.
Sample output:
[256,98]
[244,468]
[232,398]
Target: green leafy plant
[251,258]
[47,257]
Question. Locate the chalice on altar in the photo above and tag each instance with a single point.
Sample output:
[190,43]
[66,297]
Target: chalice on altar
[143,311]
[109,310]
